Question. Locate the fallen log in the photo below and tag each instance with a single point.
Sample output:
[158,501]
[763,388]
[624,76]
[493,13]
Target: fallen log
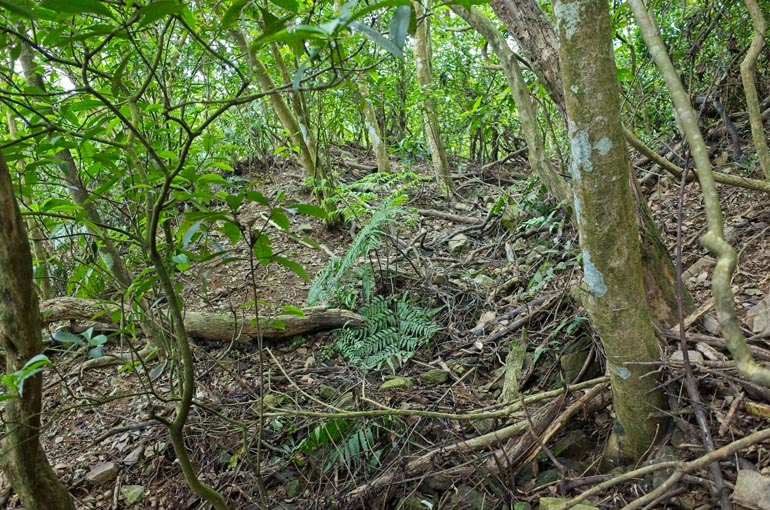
[209,326]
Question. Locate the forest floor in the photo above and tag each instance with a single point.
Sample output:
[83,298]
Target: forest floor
[502,282]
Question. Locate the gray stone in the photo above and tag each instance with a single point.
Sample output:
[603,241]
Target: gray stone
[132,493]
[102,472]
[434,376]
[397,383]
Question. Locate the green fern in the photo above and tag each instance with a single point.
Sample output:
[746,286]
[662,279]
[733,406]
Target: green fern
[343,278]
[395,329]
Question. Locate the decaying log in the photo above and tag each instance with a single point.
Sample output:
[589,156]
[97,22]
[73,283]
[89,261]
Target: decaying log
[207,325]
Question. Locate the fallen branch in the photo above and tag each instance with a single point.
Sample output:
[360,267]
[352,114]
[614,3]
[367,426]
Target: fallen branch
[209,326]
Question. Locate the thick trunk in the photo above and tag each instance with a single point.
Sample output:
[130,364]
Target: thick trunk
[532,30]
[614,294]
[22,458]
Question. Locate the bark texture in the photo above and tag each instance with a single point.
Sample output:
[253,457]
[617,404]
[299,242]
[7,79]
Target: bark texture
[614,292]
[22,460]
[422,57]
[209,326]
[533,32]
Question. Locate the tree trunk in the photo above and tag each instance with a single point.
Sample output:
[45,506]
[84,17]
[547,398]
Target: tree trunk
[379,146]
[538,159]
[23,459]
[614,294]
[422,57]
[533,31]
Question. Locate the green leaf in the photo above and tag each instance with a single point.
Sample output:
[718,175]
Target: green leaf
[399,25]
[17,7]
[292,266]
[159,9]
[117,77]
[311,210]
[256,196]
[76,7]
[290,5]
[292,310]
[263,249]
[65,337]
[211,178]
[272,23]
[280,219]
[233,13]
[378,39]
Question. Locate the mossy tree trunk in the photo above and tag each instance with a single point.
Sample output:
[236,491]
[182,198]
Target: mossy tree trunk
[614,294]
[532,30]
[422,57]
[23,460]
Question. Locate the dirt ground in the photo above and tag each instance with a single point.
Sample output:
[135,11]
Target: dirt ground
[509,285]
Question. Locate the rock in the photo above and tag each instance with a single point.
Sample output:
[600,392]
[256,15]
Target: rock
[327,393]
[559,503]
[102,472]
[293,488]
[710,324]
[548,476]
[132,493]
[134,455]
[397,383]
[695,358]
[752,490]
[572,364]
[483,280]
[459,243]
[415,503]
[435,376]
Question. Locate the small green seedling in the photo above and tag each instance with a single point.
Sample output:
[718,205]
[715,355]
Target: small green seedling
[86,339]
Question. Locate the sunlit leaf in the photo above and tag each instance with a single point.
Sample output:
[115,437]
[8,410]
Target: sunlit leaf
[157,10]
[378,39]
[77,6]
[233,13]
[293,266]
[399,25]
[17,7]
[290,5]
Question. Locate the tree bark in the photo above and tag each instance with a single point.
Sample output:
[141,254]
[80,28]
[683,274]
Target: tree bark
[22,458]
[533,31]
[422,57]
[209,326]
[614,294]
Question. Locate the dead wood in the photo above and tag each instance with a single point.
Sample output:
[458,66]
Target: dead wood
[208,325]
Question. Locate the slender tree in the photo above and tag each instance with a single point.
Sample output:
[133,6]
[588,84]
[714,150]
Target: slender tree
[614,291]
[423,61]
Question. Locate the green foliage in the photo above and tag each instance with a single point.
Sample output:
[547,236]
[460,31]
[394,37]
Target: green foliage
[340,280]
[87,340]
[14,382]
[395,329]
[355,201]
[346,442]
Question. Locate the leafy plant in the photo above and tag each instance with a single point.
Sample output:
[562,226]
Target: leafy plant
[87,339]
[395,329]
[342,278]
[14,382]
[347,441]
